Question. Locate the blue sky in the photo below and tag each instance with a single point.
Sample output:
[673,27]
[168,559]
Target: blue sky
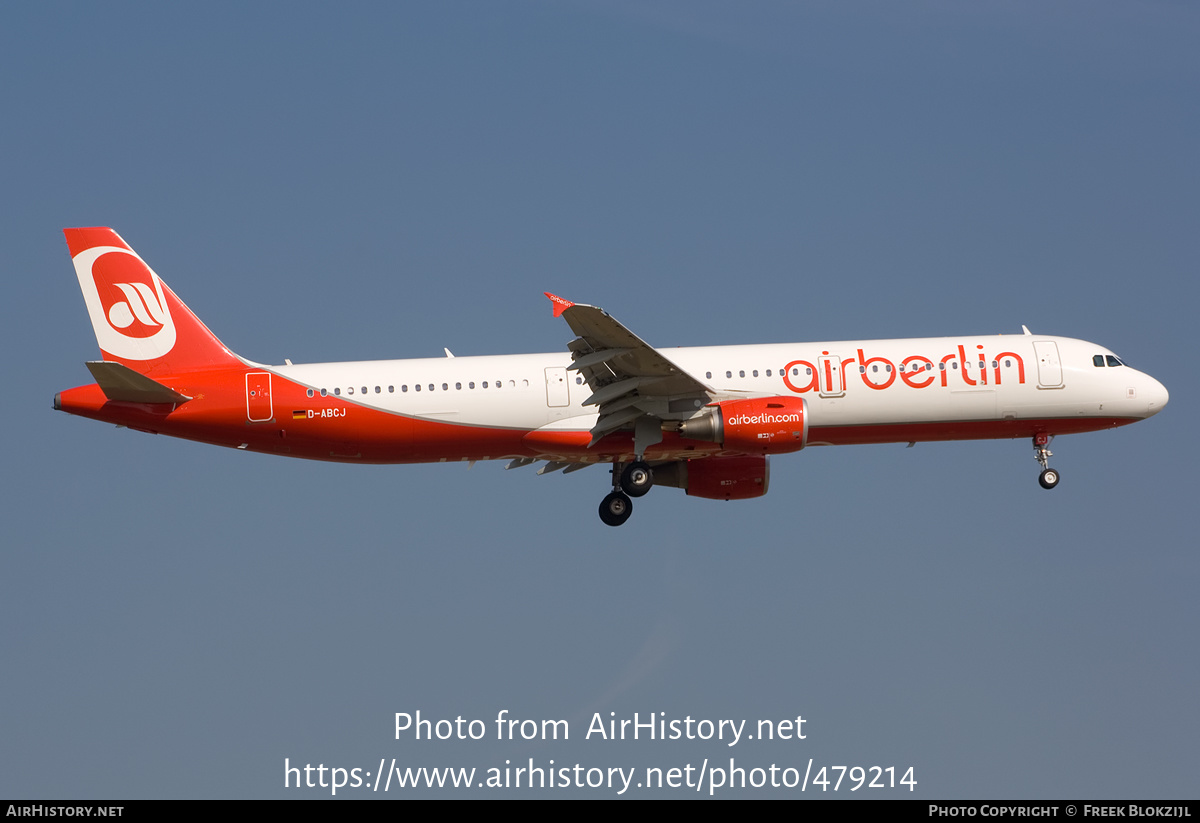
[383,180]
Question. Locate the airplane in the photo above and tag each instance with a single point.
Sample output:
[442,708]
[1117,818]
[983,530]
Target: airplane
[705,420]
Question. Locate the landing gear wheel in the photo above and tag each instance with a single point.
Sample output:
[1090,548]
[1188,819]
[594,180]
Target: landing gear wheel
[637,479]
[1041,452]
[615,509]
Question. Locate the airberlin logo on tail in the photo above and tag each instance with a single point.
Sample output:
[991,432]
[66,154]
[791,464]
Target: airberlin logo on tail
[140,303]
[126,303]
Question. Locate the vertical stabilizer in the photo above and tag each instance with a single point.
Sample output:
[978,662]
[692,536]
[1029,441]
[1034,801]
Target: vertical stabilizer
[138,320]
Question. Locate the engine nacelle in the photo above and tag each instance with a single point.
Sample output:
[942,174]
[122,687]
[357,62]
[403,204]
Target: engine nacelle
[718,478]
[758,425]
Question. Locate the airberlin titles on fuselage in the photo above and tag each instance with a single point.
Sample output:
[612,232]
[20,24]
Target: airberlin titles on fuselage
[917,371]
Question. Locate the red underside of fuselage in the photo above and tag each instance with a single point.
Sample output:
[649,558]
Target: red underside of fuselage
[357,434]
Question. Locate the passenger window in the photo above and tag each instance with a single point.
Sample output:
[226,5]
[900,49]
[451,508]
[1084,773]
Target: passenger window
[378,390]
[350,390]
[485,384]
[707,376]
[431,387]
[445,387]
[729,374]
[768,372]
[403,388]
[741,372]
[579,380]
[754,373]
[324,392]
[471,385]
[417,386]
[338,392]
[458,386]
[364,391]
[391,389]
[310,392]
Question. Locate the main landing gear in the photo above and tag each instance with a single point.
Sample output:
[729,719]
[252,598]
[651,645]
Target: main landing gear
[637,478]
[634,481]
[1049,477]
[615,508]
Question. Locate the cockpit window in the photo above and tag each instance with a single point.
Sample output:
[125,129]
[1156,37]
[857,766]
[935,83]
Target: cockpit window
[1112,361]
[1098,361]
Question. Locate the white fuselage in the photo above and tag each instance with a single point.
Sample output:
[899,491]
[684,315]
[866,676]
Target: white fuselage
[855,383]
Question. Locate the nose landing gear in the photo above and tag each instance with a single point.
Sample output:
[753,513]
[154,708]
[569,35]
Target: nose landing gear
[1049,477]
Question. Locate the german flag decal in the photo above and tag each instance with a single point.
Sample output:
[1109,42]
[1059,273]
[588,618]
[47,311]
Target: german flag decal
[299,415]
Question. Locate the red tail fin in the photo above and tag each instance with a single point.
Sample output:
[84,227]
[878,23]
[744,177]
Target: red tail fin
[138,321]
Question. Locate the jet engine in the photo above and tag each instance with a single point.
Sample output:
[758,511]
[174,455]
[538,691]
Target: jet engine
[757,425]
[718,478]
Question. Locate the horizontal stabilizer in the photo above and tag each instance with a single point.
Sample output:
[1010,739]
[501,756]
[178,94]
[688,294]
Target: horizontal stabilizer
[123,385]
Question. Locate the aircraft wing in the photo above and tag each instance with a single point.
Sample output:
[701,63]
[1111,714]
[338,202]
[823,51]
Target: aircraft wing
[632,383]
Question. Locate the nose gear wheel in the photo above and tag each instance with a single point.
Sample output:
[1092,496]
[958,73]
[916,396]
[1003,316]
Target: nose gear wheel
[1049,477]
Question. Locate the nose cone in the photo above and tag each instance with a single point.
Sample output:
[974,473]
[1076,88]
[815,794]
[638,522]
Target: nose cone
[1156,396]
